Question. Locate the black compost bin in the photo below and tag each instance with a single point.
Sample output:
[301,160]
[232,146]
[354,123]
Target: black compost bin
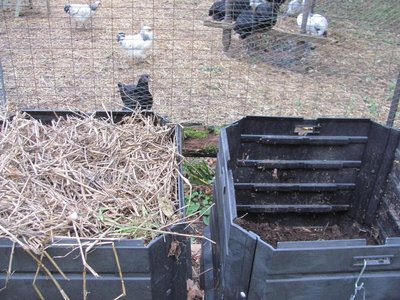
[313,175]
[148,271]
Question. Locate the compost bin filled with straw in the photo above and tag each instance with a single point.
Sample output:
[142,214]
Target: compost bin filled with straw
[88,179]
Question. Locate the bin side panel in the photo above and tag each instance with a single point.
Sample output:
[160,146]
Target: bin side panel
[68,258]
[282,125]
[236,268]
[339,259]
[378,286]
[369,173]
[385,168]
[105,287]
[388,216]
[169,258]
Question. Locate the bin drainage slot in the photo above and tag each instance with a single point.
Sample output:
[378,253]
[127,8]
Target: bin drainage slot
[373,260]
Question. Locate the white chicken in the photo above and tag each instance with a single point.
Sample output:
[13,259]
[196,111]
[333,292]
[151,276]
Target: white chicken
[81,12]
[138,45]
[316,24]
[294,8]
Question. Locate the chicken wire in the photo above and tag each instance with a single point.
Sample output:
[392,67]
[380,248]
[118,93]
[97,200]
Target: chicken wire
[48,63]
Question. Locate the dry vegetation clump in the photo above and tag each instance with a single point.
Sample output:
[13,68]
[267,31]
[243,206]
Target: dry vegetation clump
[86,177]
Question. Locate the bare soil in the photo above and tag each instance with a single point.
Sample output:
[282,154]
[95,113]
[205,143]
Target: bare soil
[273,229]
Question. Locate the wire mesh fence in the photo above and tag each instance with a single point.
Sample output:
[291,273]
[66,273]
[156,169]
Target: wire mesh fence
[50,61]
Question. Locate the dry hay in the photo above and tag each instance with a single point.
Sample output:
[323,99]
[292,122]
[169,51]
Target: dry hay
[86,178]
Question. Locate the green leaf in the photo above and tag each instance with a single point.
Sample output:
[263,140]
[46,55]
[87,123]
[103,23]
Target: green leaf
[192,208]
[206,220]
[205,211]
[206,201]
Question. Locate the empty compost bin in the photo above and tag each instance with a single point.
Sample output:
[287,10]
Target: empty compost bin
[305,209]
[156,269]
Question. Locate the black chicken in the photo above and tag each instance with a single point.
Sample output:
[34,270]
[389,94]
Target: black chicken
[217,10]
[137,96]
[263,18]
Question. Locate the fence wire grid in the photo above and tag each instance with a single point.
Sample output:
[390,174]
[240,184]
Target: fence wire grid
[50,63]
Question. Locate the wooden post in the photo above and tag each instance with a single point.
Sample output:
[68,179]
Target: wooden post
[313,6]
[395,103]
[227,33]
[48,7]
[18,7]
[308,6]
[2,87]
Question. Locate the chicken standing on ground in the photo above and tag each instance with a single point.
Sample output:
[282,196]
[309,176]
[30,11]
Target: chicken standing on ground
[138,45]
[316,24]
[136,96]
[81,13]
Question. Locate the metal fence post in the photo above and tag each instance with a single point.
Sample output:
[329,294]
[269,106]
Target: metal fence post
[2,87]
[394,104]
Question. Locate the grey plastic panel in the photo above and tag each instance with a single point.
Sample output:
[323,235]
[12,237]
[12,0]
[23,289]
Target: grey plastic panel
[105,287]
[268,167]
[378,286]
[321,244]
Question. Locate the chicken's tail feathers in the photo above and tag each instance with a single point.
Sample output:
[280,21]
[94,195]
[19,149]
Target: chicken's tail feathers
[67,7]
[95,5]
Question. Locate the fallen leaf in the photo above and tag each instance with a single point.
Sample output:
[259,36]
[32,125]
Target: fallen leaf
[194,291]
[175,249]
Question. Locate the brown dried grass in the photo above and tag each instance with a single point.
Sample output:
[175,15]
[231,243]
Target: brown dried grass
[86,178]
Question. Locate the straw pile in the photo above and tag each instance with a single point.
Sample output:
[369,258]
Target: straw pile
[86,178]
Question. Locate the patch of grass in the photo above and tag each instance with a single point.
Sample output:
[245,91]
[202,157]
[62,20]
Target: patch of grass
[201,133]
[213,69]
[369,78]
[391,86]
[211,148]
[373,106]
[215,86]
[194,133]
[297,102]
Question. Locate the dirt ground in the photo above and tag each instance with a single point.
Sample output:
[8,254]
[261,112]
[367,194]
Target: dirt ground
[274,231]
[48,63]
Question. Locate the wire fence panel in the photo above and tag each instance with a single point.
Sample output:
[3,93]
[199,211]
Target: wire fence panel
[52,62]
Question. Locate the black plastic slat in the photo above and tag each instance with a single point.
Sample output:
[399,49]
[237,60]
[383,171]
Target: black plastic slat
[299,164]
[382,173]
[312,208]
[309,140]
[291,187]
[46,116]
